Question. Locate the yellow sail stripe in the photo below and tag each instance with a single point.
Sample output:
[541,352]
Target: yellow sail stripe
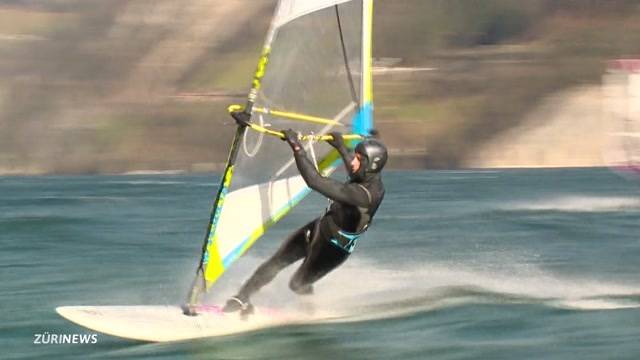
[215,268]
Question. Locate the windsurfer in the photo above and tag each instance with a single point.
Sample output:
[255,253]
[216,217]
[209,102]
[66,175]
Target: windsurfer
[327,241]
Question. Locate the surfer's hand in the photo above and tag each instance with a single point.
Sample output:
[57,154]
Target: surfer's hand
[241,117]
[292,138]
[337,140]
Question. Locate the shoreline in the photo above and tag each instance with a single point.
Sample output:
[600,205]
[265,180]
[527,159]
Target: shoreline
[190,173]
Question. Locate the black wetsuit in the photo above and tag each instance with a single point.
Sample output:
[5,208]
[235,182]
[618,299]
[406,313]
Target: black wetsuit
[327,241]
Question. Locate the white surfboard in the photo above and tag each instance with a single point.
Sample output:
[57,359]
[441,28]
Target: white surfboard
[168,323]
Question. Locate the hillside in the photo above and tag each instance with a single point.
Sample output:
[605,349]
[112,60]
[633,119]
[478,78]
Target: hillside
[102,87]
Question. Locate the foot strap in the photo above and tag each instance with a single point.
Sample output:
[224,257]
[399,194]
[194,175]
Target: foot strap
[243,305]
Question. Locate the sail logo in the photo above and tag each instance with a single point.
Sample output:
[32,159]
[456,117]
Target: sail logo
[218,210]
[262,68]
[223,193]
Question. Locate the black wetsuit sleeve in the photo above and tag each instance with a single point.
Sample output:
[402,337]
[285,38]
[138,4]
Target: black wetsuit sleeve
[346,157]
[352,194]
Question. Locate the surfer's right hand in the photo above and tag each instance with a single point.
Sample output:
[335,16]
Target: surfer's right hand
[337,141]
[292,138]
[241,117]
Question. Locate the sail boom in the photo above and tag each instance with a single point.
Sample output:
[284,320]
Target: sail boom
[296,116]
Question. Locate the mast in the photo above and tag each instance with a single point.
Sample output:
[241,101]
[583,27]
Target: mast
[199,285]
[364,124]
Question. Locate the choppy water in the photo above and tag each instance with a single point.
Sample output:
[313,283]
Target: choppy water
[518,264]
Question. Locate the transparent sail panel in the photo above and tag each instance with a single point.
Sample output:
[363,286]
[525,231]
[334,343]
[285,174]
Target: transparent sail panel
[313,70]
[293,9]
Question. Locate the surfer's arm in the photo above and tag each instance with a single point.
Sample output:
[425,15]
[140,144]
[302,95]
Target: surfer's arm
[338,143]
[345,193]
[334,190]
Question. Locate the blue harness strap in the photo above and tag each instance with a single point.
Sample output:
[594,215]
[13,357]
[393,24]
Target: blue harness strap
[347,241]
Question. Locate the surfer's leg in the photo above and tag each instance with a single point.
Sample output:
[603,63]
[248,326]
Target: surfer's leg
[323,257]
[292,249]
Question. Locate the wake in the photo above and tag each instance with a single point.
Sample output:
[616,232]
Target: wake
[578,204]
[361,291]
[371,292]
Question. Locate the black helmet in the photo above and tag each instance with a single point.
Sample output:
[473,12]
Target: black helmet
[375,154]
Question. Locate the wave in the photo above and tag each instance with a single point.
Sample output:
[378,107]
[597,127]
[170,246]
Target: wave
[600,303]
[182,183]
[578,204]
[362,291]
[146,182]
[21,221]
[56,201]
[155,172]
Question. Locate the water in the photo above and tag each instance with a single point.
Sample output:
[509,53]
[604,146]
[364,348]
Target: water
[518,264]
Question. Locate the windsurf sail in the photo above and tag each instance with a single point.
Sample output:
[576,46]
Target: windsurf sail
[314,76]
[622,107]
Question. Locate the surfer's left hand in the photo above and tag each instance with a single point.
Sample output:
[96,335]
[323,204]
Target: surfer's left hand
[292,138]
[241,117]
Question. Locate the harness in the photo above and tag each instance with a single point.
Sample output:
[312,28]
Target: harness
[347,241]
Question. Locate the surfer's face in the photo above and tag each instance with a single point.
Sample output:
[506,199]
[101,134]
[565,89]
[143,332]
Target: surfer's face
[355,163]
